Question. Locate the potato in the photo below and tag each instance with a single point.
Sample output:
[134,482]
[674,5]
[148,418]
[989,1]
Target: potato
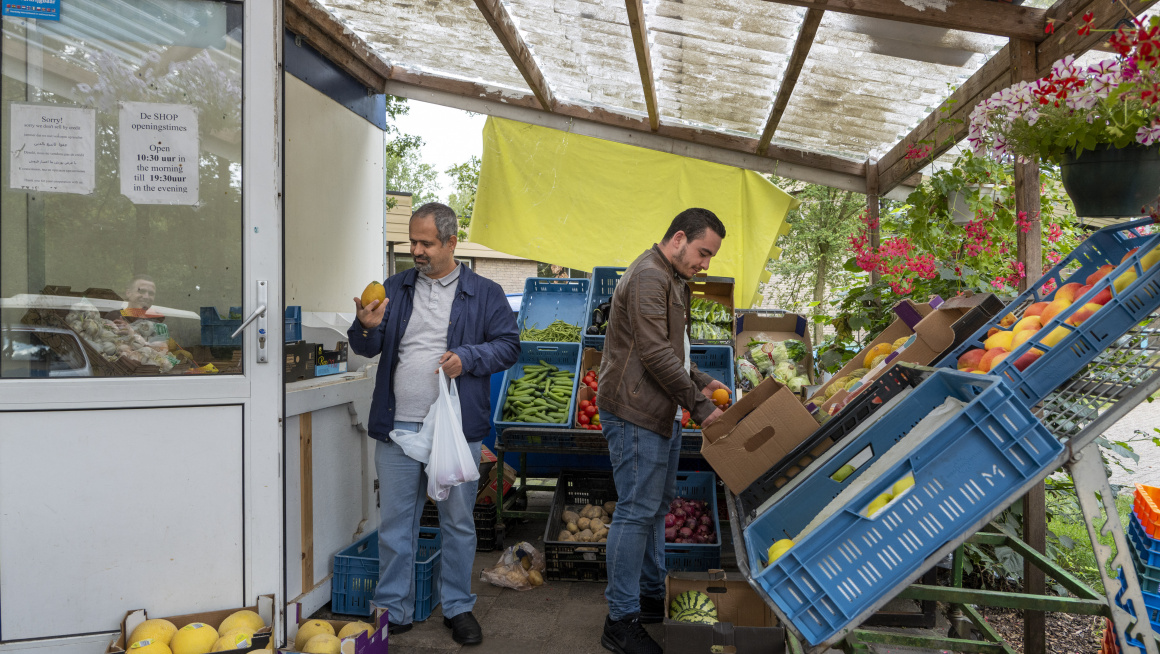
[516,577]
[603,540]
[583,523]
[535,579]
[609,507]
[570,516]
[573,527]
[586,512]
[607,519]
[564,535]
[526,562]
[603,533]
[584,536]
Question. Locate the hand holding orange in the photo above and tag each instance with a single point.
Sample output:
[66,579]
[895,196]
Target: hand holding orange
[720,397]
[373,291]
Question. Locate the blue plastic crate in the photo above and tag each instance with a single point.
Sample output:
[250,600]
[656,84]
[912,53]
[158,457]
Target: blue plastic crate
[548,299]
[356,572]
[604,280]
[717,362]
[1125,310]
[1147,575]
[293,324]
[565,356]
[1151,606]
[696,558]
[1147,547]
[967,469]
[215,330]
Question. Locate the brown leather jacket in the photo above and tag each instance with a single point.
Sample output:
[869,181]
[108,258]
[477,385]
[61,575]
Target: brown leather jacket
[642,371]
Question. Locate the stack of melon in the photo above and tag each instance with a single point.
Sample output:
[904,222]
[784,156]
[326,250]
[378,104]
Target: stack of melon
[318,636]
[160,636]
[693,606]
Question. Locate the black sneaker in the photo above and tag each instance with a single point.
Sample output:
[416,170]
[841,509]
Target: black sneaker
[396,629]
[628,636]
[652,610]
[465,630]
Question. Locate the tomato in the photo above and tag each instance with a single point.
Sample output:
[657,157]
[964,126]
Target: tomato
[594,427]
[590,376]
[583,419]
[592,385]
[591,411]
[584,404]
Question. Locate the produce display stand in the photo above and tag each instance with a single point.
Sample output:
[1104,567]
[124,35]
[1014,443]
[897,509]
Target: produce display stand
[546,440]
[1118,379]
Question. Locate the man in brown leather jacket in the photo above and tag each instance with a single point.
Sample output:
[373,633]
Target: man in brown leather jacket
[645,378]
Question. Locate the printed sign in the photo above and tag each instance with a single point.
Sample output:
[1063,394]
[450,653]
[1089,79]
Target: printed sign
[42,9]
[52,148]
[159,153]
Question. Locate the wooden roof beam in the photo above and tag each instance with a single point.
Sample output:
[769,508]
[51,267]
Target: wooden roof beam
[643,59]
[801,50]
[979,16]
[505,29]
[360,63]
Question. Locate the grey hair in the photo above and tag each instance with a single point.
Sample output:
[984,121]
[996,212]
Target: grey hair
[446,222]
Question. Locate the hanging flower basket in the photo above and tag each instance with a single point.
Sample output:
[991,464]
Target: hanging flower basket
[1110,182]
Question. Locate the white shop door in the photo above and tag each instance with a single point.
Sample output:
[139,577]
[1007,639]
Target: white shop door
[141,221]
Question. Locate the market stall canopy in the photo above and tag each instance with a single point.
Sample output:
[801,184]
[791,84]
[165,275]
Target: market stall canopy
[826,91]
[581,202]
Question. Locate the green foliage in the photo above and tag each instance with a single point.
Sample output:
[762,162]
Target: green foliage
[410,174]
[462,200]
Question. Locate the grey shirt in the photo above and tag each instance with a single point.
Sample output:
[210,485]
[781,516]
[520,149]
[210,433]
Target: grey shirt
[416,382]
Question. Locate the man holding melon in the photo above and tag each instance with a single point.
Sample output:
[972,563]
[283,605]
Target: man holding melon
[646,377]
[437,315]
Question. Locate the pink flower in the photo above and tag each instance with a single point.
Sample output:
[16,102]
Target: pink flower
[1148,135]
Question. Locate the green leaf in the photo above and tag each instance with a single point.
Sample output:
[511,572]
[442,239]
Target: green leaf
[857,323]
[851,265]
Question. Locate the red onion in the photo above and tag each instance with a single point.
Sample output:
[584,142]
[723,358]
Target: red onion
[706,520]
[679,512]
[670,520]
[691,523]
[686,532]
[670,533]
[703,529]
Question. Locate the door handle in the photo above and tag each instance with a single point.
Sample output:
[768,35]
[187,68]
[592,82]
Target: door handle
[258,315]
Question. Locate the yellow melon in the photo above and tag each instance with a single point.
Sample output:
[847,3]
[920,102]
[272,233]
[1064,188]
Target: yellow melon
[354,629]
[310,629]
[157,629]
[237,640]
[244,618]
[149,646]
[194,638]
[323,644]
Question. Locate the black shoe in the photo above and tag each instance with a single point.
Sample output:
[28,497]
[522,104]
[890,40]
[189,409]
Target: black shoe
[652,610]
[464,629]
[628,636]
[396,629]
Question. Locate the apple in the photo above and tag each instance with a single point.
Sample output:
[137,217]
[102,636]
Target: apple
[1099,274]
[1002,339]
[970,359]
[1036,309]
[1083,313]
[879,502]
[1034,323]
[1027,359]
[1055,308]
[1007,320]
[902,484]
[989,357]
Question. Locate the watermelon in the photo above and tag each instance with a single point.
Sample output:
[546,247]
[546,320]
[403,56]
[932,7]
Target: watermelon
[693,600]
[694,617]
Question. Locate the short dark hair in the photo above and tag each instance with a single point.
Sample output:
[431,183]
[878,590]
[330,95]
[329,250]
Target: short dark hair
[446,222]
[693,222]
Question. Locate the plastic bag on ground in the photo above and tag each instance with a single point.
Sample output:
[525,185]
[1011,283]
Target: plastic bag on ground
[520,567]
[451,462]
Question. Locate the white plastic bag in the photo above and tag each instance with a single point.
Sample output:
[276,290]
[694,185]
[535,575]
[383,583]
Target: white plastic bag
[451,462]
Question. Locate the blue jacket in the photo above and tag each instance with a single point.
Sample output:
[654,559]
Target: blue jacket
[482,332]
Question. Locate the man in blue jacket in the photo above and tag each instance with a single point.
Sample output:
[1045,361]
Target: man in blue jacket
[438,314]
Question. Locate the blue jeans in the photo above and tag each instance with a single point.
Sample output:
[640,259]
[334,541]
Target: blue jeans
[402,493]
[644,467]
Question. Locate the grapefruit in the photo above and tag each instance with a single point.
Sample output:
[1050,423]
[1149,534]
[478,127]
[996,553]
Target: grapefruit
[158,629]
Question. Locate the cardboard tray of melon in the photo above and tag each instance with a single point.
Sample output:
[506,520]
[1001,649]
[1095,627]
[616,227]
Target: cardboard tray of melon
[242,629]
[313,636]
[1107,285]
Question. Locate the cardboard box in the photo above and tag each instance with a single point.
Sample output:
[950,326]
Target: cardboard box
[717,289]
[299,361]
[331,362]
[375,643]
[590,360]
[745,624]
[778,326]
[489,494]
[755,433]
[264,608]
[897,329]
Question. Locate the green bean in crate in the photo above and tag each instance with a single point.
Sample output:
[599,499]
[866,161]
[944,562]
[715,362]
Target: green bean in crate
[541,395]
[557,332]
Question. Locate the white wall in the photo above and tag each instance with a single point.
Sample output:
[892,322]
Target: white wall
[335,201]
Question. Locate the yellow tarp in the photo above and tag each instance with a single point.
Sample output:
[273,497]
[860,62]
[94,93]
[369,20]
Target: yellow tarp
[581,202]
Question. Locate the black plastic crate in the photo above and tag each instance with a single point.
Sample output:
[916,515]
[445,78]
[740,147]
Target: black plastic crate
[892,382]
[487,536]
[570,561]
[524,439]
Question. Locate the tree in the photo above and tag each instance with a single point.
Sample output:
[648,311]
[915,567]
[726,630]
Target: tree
[410,174]
[462,199]
[817,246]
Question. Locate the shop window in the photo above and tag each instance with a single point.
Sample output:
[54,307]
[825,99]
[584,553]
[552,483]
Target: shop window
[121,222]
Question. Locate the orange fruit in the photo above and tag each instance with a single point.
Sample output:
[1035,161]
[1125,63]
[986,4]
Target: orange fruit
[720,397]
[373,291]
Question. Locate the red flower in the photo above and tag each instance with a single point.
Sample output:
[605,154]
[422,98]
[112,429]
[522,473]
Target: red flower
[1049,28]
